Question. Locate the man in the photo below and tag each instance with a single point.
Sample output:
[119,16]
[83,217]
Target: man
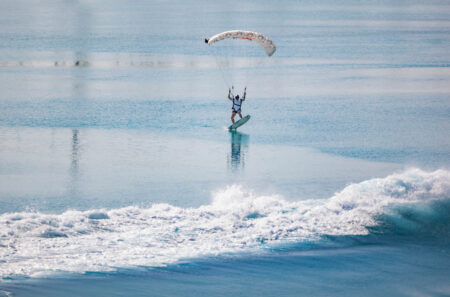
[237,102]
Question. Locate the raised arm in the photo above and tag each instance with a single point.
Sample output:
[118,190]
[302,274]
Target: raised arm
[229,94]
[245,93]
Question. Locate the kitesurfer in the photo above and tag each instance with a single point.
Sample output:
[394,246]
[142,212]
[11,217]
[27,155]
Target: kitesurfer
[237,103]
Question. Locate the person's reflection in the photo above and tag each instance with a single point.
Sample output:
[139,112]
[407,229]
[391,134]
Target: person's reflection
[239,144]
[78,23]
[74,162]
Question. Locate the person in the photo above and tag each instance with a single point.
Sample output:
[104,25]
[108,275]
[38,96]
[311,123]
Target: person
[237,104]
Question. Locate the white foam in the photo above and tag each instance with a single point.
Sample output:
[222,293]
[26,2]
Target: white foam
[5,293]
[33,244]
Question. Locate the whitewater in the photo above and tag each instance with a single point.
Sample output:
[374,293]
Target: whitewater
[34,244]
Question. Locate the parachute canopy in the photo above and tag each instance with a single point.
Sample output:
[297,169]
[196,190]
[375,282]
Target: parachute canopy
[260,39]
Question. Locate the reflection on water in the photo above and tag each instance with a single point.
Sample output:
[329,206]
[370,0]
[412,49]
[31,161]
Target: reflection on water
[239,146]
[81,28]
[73,186]
[74,163]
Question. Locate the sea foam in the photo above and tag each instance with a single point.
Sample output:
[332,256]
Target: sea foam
[35,244]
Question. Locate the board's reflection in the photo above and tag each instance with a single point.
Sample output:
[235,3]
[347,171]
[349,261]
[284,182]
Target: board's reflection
[239,148]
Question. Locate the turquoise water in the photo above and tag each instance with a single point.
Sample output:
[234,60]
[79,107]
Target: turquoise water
[118,175]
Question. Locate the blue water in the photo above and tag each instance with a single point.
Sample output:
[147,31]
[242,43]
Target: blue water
[118,176]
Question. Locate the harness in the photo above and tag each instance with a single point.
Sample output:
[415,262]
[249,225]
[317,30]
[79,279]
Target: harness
[236,103]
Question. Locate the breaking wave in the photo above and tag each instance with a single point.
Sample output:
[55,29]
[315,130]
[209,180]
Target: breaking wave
[36,244]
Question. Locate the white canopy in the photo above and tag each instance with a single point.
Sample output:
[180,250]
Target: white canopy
[260,39]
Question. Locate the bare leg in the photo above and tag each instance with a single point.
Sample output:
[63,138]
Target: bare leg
[240,113]
[233,114]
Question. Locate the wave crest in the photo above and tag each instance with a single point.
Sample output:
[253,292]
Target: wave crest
[237,220]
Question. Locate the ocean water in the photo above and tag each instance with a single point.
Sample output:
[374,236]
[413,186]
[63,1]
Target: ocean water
[118,176]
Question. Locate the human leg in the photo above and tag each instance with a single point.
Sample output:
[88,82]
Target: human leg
[233,114]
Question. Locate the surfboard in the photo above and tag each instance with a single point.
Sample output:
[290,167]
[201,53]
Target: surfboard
[239,123]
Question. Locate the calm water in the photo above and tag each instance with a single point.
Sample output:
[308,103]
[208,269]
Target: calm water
[118,176]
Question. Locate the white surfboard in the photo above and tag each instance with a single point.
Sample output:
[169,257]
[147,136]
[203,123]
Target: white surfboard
[239,123]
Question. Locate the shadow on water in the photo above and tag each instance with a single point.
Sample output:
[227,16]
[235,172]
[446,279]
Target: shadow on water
[239,149]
